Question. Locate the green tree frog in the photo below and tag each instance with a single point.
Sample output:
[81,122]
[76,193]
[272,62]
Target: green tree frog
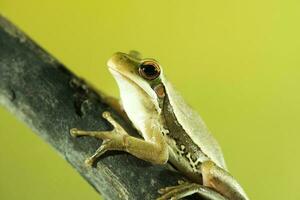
[171,130]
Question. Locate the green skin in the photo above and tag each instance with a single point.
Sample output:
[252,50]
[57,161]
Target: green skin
[171,131]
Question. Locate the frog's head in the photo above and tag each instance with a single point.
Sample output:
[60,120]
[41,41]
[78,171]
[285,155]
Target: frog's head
[136,76]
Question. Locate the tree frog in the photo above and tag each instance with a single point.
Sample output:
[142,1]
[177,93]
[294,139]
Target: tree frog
[171,130]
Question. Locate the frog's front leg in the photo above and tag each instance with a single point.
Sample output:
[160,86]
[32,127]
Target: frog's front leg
[154,150]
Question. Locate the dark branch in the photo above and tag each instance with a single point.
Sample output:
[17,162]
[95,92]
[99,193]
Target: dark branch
[50,99]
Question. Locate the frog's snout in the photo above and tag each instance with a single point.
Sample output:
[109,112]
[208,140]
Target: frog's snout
[116,59]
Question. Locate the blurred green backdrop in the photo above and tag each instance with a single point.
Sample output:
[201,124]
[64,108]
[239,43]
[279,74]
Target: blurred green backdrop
[236,62]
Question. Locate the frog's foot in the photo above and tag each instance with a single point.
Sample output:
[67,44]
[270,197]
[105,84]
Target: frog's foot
[168,189]
[186,189]
[101,134]
[118,139]
[112,140]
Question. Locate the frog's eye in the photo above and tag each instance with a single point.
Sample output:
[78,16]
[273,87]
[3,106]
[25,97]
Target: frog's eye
[149,70]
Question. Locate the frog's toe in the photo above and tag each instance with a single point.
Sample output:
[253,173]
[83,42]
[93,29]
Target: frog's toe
[73,132]
[167,195]
[165,190]
[172,192]
[181,184]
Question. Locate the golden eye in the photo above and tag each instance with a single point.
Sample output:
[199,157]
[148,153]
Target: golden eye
[149,70]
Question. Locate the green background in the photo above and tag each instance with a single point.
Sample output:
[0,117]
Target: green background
[236,62]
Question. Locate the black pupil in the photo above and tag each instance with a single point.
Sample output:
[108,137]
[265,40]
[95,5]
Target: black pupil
[149,70]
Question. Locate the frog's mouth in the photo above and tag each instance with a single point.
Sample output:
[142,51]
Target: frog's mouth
[118,74]
[114,70]
[121,77]
[125,83]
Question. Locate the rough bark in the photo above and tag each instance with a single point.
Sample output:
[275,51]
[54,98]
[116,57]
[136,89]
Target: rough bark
[50,99]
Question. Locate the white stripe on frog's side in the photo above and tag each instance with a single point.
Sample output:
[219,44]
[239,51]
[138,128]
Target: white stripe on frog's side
[185,155]
[194,126]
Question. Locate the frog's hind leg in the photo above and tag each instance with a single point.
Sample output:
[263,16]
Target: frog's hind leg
[186,189]
[220,180]
[118,139]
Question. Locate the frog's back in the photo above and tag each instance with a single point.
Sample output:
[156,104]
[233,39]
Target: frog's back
[194,126]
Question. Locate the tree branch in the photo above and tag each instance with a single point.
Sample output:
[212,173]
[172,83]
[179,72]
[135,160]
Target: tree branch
[50,99]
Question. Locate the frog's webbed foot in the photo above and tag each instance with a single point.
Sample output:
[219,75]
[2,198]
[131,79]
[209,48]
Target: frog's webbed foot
[185,189]
[112,140]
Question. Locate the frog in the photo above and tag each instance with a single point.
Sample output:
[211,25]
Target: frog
[171,131]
